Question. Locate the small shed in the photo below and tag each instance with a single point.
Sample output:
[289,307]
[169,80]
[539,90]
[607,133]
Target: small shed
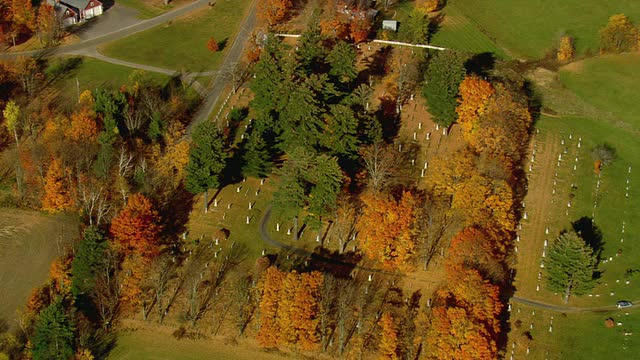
[390,25]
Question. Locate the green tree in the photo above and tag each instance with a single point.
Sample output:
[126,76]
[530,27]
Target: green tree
[310,51]
[415,29]
[326,179]
[342,60]
[53,334]
[569,266]
[206,160]
[442,79]
[88,256]
[619,35]
[341,132]
[256,156]
[289,198]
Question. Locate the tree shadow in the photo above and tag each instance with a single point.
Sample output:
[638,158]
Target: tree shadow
[481,64]
[590,233]
[223,44]
[176,212]
[389,118]
[434,25]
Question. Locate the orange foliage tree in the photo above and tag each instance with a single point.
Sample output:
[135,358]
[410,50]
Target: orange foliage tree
[502,130]
[274,11]
[359,29]
[387,230]
[472,248]
[212,45]
[57,196]
[388,337]
[455,335]
[270,285]
[60,276]
[137,227]
[83,127]
[474,95]
[289,308]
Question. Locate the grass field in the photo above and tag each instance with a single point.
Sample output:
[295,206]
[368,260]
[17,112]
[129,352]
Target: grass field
[182,43]
[458,32]
[29,241]
[530,29]
[609,83]
[594,102]
[91,73]
[573,335]
[148,344]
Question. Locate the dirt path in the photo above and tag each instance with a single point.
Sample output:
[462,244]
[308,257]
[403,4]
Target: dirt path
[538,207]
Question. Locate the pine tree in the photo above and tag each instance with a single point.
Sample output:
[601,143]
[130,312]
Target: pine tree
[89,254]
[442,79]
[342,60]
[206,160]
[569,266]
[310,50]
[257,159]
[53,334]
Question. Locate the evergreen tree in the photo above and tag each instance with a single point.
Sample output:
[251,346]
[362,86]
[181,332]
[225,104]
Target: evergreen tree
[569,266]
[342,60]
[326,179]
[89,255]
[257,159]
[289,198]
[206,160]
[415,29]
[442,79]
[310,51]
[53,334]
[341,132]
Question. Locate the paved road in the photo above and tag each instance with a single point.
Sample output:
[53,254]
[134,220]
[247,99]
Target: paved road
[114,35]
[231,60]
[560,308]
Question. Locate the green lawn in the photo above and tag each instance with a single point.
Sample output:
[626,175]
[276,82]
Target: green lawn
[145,10]
[458,32]
[91,73]
[574,335]
[531,28]
[613,207]
[609,83]
[156,345]
[182,44]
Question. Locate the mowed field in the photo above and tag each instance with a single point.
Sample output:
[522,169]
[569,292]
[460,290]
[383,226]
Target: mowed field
[573,336]
[29,241]
[181,44]
[88,73]
[458,32]
[156,344]
[530,29]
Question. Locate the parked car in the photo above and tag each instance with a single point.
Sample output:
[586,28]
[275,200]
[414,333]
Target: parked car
[624,304]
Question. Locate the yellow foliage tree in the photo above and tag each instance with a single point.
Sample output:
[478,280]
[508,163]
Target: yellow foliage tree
[566,49]
[619,35]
